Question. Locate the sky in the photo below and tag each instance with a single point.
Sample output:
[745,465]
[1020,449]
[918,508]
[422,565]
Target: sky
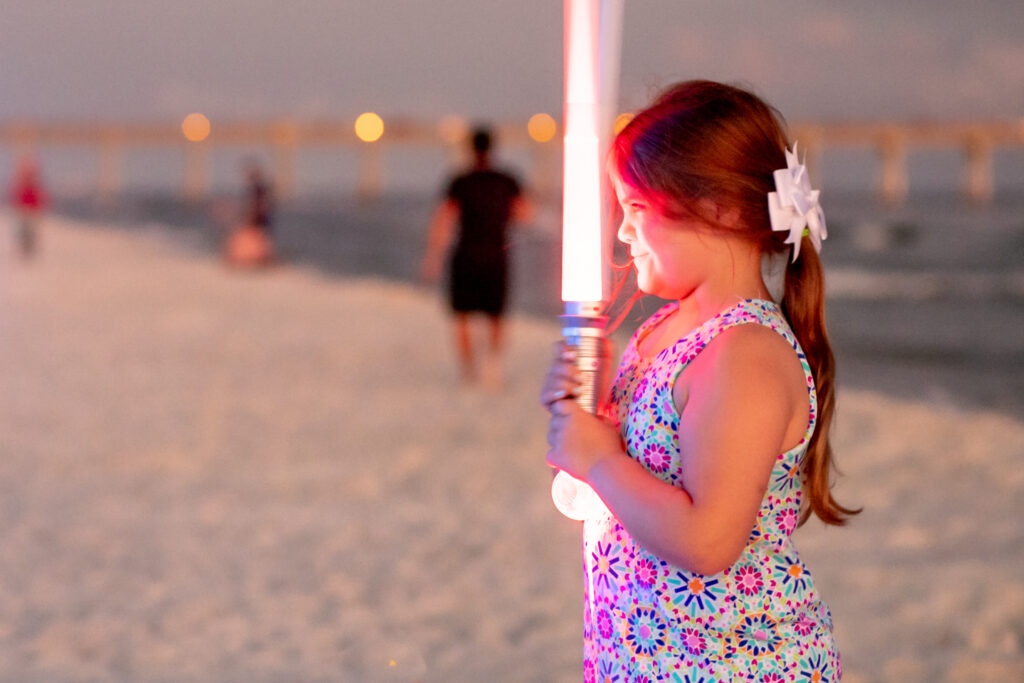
[156,60]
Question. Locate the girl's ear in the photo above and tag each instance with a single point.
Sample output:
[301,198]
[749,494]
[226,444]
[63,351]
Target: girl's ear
[724,216]
[729,217]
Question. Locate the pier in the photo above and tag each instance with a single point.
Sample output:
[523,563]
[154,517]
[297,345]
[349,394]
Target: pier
[892,141]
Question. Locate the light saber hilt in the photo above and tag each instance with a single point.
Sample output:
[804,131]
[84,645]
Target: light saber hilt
[583,328]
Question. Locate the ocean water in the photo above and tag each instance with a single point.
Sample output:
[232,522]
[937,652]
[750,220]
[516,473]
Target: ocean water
[925,301]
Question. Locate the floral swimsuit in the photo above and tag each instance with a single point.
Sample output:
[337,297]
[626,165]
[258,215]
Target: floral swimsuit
[645,619]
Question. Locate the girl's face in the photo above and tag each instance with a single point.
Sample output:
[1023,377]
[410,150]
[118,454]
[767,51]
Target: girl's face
[671,255]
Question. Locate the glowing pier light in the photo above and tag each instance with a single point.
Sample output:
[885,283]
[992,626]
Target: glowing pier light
[541,127]
[195,127]
[621,121]
[369,127]
[453,129]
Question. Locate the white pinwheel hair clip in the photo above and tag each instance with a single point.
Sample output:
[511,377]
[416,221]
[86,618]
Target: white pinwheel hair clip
[794,205]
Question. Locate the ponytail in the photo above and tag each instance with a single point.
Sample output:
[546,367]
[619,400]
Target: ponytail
[804,307]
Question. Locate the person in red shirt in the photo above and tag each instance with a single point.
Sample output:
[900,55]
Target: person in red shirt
[28,199]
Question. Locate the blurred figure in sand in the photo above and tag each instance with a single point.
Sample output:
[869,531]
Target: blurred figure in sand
[249,244]
[259,210]
[28,199]
[471,225]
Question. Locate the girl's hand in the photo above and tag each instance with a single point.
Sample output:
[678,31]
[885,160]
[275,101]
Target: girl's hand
[577,438]
[562,379]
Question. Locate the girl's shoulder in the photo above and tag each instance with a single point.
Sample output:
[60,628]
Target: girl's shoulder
[757,326]
[755,314]
[751,321]
[750,343]
[751,336]
[752,356]
[753,310]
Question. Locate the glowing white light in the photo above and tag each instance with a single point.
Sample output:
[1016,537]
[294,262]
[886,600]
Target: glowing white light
[575,499]
[582,264]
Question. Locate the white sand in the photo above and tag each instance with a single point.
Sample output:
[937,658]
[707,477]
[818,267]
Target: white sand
[215,476]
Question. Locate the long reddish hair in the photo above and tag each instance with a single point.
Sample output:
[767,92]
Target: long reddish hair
[706,140]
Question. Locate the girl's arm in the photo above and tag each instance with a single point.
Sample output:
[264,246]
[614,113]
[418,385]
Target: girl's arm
[738,407]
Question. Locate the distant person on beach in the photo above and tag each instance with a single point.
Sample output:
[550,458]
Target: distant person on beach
[259,196]
[28,200]
[249,244]
[479,206]
[713,445]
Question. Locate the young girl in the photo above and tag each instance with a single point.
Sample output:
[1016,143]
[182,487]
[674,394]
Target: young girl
[714,444]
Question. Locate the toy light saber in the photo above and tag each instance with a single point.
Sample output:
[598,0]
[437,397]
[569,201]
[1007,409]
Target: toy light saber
[592,38]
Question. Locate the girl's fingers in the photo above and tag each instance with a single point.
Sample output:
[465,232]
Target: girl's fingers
[563,378]
[561,383]
[564,353]
[551,398]
[561,408]
[565,367]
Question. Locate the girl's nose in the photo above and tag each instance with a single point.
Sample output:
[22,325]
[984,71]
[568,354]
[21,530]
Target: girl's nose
[625,233]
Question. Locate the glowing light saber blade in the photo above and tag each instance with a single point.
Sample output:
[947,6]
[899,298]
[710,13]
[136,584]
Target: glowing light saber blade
[592,37]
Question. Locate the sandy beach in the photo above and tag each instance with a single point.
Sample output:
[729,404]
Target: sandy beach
[209,475]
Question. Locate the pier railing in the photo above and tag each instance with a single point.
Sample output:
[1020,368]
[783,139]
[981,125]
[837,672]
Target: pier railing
[892,142]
